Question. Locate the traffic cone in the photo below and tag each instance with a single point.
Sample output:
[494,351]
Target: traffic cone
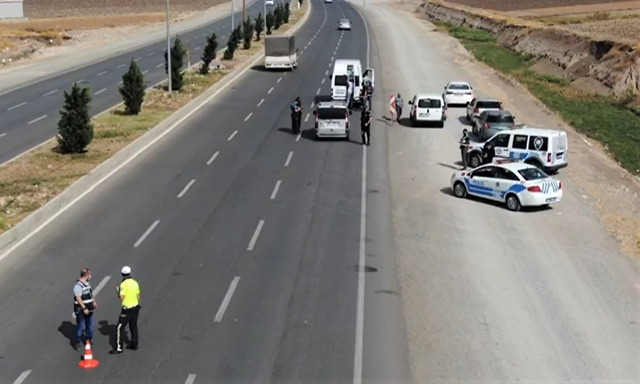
[88,362]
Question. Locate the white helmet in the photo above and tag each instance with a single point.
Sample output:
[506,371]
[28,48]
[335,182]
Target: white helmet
[126,270]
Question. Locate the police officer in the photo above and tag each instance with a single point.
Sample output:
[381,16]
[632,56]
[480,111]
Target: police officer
[488,153]
[365,127]
[296,115]
[129,294]
[464,145]
[83,306]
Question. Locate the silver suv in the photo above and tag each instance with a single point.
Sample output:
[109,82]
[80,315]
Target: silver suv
[332,119]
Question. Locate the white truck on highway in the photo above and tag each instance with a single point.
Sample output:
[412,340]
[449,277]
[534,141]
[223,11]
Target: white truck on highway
[280,52]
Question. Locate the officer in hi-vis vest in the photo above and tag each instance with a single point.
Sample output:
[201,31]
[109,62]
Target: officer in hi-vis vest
[129,294]
[83,306]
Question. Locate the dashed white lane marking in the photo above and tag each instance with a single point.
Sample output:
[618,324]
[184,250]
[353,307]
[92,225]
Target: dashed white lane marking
[226,301]
[270,90]
[326,73]
[38,119]
[311,106]
[16,106]
[260,103]
[186,188]
[101,73]
[101,285]
[248,116]
[318,91]
[146,233]
[151,54]
[279,80]
[232,135]
[22,377]
[197,48]
[100,91]
[50,93]
[120,82]
[3,134]
[329,64]
[286,163]
[322,82]
[255,236]
[298,137]
[332,58]
[145,71]
[160,65]
[213,157]
[80,81]
[190,379]
[275,190]
[120,66]
[306,118]
[138,58]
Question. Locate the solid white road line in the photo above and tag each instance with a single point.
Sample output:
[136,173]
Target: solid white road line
[248,116]
[146,233]
[213,157]
[22,377]
[16,106]
[306,118]
[100,91]
[186,188]
[101,285]
[151,54]
[120,66]
[160,65]
[3,134]
[270,90]
[226,300]
[190,379]
[298,137]
[232,135]
[286,163]
[279,80]
[50,93]
[102,73]
[255,236]
[38,119]
[260,103]
[275,190]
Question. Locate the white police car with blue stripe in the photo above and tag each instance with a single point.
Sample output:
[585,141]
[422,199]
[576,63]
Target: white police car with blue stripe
[516,184]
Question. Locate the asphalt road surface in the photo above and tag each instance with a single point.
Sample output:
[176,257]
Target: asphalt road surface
[28,115]
[247,241]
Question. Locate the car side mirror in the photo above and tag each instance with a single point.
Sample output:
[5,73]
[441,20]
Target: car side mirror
[445,87]
[330,77]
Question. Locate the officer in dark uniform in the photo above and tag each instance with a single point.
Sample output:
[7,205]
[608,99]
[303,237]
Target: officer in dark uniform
[83,306]
[464,144]
[296,115]
[365,127]
[488,153]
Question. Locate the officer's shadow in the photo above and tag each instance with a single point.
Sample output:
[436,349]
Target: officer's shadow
[108,330]
[68,330]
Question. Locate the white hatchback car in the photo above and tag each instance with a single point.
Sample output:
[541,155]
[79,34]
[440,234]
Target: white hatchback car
[516,184]
[268,2]
[344,25]
[427,108]
[458,93]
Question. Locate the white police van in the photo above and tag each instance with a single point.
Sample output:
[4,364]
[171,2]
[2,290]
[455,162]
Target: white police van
[547,149]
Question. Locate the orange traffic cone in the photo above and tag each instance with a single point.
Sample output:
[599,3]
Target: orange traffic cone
[88,362]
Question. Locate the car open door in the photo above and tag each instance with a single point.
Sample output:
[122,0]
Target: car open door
[372,75]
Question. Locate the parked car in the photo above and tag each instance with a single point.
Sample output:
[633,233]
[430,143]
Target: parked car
[491,122]
[427,108]
[458,93]
[477,106]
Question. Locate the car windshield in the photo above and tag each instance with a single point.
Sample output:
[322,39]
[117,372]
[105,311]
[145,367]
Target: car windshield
[459,87]
[429,103]
[532,174]
[332,113]
[489,104]
[344,21]
[500,119]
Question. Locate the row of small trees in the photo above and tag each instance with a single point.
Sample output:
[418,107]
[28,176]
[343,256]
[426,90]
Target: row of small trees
[75,129]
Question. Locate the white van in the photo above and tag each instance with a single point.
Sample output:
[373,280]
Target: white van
[345,70]
[427,108]
[547,149]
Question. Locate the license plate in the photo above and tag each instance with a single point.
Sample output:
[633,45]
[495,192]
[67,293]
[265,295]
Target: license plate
[559,155]
[424,114]
[458,93]
[551,200]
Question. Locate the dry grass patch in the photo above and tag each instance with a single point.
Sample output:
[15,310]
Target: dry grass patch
[37,177]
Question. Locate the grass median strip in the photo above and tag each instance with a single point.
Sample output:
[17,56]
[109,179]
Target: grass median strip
[602,118]
[32,180]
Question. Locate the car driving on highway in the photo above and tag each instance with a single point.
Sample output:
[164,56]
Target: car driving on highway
[344,25]
[516,184]
[458,93]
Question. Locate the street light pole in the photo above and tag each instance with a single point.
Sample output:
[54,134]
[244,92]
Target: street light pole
[168,50]
[244,11]
[233,8]
[264,15]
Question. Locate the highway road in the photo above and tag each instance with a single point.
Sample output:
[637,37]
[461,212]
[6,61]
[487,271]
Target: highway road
[247,241]
[29,114]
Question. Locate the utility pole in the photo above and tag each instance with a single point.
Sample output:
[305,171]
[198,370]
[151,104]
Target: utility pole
[168,50]
[233,9]
[244,10]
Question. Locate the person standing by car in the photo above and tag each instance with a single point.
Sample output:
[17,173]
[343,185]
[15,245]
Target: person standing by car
[296,115]
[83,306]
[464,145]
[488,153]
[399,105]
[365,127]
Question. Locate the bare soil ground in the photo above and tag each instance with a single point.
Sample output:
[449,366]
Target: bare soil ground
[68,8]
[616,29]
[518,5]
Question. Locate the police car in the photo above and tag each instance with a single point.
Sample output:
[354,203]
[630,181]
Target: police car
[516,184]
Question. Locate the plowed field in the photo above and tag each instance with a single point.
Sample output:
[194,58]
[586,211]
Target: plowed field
[66,8]
[517,5]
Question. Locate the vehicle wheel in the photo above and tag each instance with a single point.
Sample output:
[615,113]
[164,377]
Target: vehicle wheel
[459,189]
[513,204]
[442,124]
[475,161]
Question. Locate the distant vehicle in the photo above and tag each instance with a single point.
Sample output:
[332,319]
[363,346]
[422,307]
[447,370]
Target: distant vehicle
[477,106]
[516,184]
[345,70]
[491,122]
[332,118]
[268,2]
[543,148]
[344,25]
[427,108]
[458,93]
[328,1]
[280,52]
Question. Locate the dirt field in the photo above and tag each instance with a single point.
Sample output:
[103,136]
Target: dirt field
[67,8]
[618,29]
[518,5]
